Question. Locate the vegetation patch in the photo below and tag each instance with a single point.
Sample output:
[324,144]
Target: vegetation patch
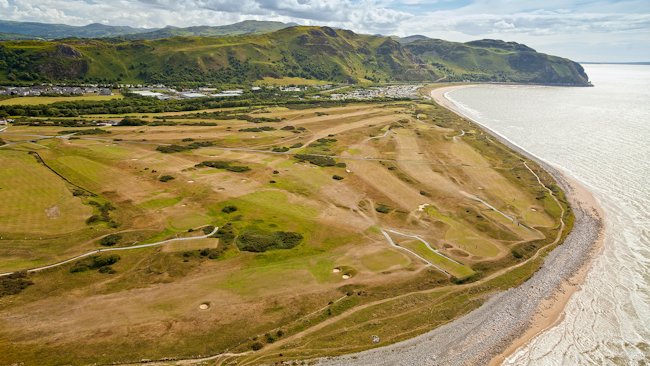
[130,121]
[110,240]
[92,131]
[225,165]
[102,263]
[14,283]
[166,178]
[104,214]
[257,129]
[381,208]
[173,148]
[257,241]
[316,159]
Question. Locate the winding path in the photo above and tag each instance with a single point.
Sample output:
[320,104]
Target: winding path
[103,250]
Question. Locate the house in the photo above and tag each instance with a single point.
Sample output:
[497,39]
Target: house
[193,95]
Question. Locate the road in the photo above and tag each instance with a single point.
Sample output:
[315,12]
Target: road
[103,250]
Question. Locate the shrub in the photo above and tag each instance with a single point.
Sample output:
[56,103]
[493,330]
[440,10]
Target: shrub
[130,121]
[110,240]
[381,208]
[173,148]
[257,346]
[288,128]
[14,283]
[257,129]
[165,178]
[297,145]
[226,233]
[207,229]
[229,209]
[94,262]
[91,131]
[337,177]
[280,149]
[316,159]
[225,165]
[258,241]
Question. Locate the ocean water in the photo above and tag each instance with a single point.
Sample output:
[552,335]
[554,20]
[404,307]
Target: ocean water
[601,137]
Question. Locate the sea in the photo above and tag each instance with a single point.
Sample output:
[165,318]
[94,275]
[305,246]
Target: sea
[601,137]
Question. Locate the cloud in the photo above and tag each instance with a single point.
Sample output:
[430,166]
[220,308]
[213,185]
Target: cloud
[551,25]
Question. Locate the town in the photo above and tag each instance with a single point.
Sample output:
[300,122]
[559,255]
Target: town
[163,92]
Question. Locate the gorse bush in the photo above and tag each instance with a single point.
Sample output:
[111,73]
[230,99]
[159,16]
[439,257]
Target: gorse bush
[110,240]
[225,165]
[316,159]
[259,241]
[14,283]
[94,262]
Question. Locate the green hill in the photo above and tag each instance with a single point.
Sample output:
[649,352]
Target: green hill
[319,53]
[245,27]
[34,30]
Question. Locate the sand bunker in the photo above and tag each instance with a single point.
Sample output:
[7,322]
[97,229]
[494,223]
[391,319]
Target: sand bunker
[204,306]
[345,276]
[336,270]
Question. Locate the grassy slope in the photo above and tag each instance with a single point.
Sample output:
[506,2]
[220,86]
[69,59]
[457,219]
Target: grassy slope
[309,52]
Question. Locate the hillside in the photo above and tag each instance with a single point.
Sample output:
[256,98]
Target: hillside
[245,27]
[319,53]
[34,30]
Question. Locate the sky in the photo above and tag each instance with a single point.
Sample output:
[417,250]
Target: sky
[583,30]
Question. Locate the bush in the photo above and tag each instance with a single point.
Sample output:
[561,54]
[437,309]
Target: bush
[207,229]
[258,241]
[381,208]
[91,131]
[317,159]
[226,233]
[280,149]
[110,240]
[165,178]
[130,121]
[257,346]
[297,145]
[337,177]
[173,148]
[229,209]
[225,165]
[14,283]
[257,129]
[94,262]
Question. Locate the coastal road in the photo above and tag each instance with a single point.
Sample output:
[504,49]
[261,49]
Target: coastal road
[104,250]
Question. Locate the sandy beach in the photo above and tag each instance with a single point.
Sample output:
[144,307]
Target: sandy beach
[508,320]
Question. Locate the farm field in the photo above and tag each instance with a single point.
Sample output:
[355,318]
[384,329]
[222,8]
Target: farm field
[335,224]
[50,100]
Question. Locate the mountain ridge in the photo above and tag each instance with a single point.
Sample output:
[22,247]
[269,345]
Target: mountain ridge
[309,52]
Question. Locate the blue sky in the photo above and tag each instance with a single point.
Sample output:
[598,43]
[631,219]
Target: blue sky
[582,30]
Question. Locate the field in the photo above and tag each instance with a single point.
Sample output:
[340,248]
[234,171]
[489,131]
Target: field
[334,225]
[50,100]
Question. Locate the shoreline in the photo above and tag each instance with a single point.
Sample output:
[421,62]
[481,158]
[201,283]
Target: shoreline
[551,309]
[511,318]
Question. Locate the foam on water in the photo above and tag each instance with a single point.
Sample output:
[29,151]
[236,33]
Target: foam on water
[601,136]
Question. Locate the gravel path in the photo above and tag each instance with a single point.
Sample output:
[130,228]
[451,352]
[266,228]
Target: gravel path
[479,336]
